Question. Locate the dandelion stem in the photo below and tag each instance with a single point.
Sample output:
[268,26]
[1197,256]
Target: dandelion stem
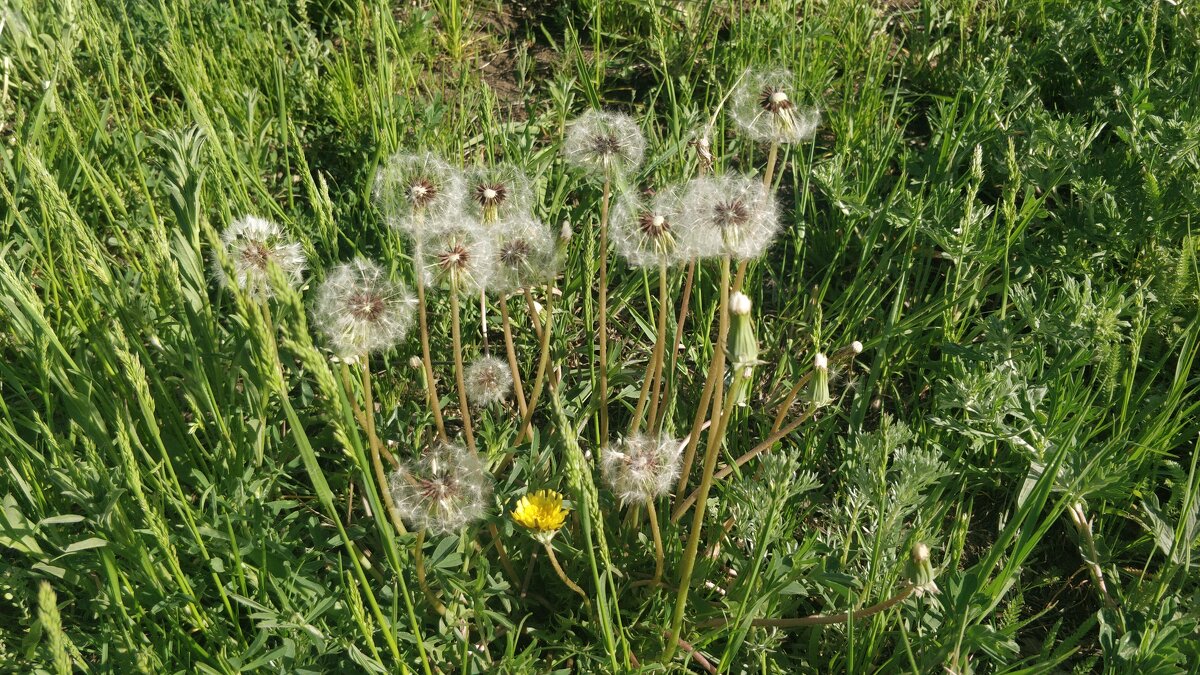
[652,515]
[435,404]
[602,333]
[769,173]
[512,356]
[660,340]
[821,619]
[373,439]
[456,335]
[702,414]
[716,435]
[419,563]
[531,306]
[565,579]
[679,324]
[539,379]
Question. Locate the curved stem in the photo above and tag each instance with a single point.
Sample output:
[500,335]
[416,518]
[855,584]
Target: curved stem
[435,404]
[456,335]
[660,341]
[821,619]
[840,356]
[512,356]
[419,563]
[563,575]
[531,306]
[539,379]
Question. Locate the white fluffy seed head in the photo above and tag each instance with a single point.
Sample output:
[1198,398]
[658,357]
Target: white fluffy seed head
[642,468]
[604,143]
[727,215]
[645,230]
[361,311]
[522,254]
[497,193]
[414,190]
[489,380]
[764,105]
[457,256]
[739,304]
[252,244]
[444,490]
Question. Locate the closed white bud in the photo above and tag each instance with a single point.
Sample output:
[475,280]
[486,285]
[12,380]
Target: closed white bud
[739,304]
[856,347]
[821,362]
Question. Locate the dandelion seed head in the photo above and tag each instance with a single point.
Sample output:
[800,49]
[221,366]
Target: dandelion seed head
[642,468]
[604,143]
[764,106]
[416,190]
[523,252]
[443,490]
[252,244]
[361,311]
[645,230]
[489,380]
[457,256]
[727,215]
[497,193]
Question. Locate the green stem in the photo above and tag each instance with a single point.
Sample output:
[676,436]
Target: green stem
[435,405]
[602,333]
[539,379]
[456,335]
[565,579]
[506,322]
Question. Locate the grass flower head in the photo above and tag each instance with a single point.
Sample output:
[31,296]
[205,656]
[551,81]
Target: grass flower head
[727,215]
[642,468]
[489,380]
[604,143]
[645,230]
[541,513]
[766,108]
[444,490]
[252,245]
[361,310]
[412,189]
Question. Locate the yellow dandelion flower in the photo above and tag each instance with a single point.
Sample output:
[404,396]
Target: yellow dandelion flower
[542,512]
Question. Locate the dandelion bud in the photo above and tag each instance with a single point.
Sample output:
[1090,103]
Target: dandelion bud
[919,571]
[642,468]
[764,106]
[856,347]
[361,311]
[644,231]
[727,215]
[489,380]
[497,193]
[604,143]
[819,392]
[415,362]
[742,351]
[443,491]
[415,190]
[252,245]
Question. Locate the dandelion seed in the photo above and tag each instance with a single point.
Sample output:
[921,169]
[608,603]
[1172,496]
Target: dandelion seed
[415,190]
[642,468]
[361,311]
[764,106]
[252,244]
[489,380]
[497,193]
[444,490]
[727,215]
[644,231]
[604,143]
[523,251]
[541,513]
[457,257]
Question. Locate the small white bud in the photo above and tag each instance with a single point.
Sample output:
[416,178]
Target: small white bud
[414,361]
[739,304]
[920,552]
[565,232]
[821,362]
[856,347]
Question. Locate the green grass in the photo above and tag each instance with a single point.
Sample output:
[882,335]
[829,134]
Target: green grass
[999,204]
